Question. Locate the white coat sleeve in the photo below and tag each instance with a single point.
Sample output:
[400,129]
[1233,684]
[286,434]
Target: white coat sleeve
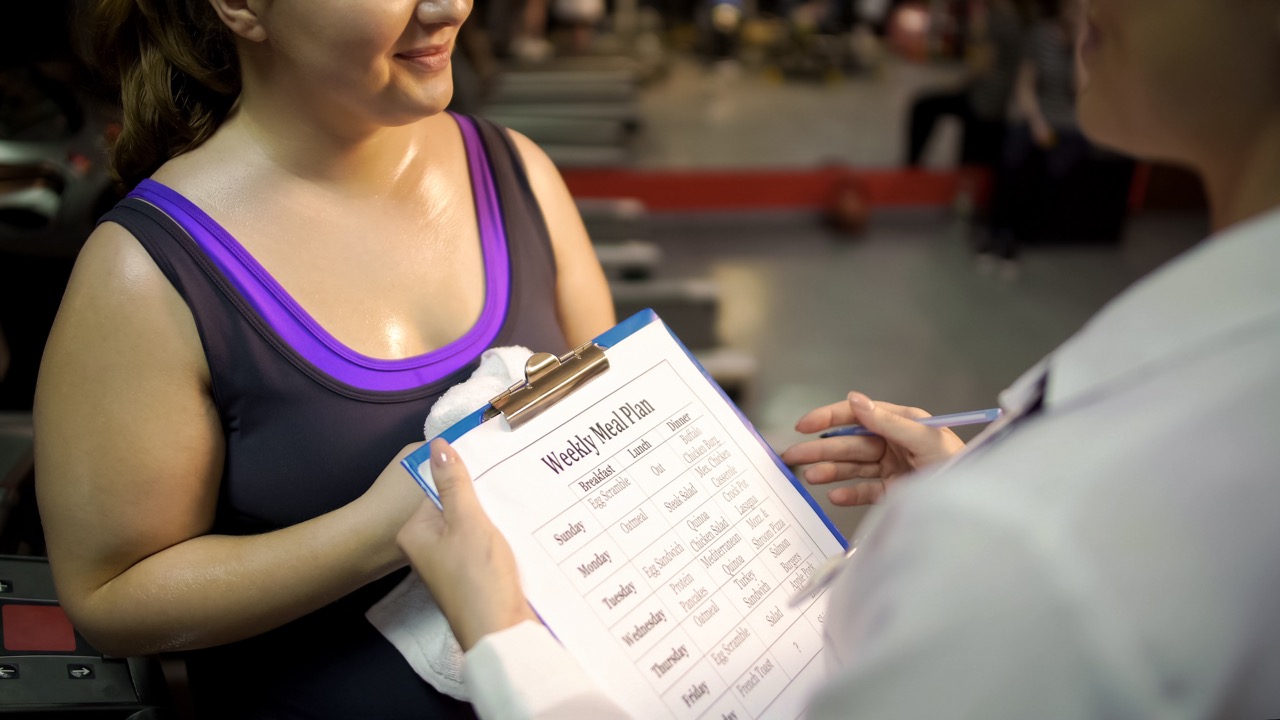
[523,672]
[954,611]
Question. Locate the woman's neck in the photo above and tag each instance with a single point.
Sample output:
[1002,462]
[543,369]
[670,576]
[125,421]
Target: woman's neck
[1244,180]
[324,147]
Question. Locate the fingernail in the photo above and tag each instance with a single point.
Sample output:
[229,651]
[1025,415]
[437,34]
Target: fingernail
[442,454]
[860,401]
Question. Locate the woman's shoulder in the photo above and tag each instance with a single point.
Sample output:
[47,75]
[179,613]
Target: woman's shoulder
[527,150]
[114,264]
[537,163]
[118,303]
[544,177]
[549,188]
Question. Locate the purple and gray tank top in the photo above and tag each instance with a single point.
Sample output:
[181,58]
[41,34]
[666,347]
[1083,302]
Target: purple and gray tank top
[310,423]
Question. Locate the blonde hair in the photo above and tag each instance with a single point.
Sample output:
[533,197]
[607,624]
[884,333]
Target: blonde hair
[174,63]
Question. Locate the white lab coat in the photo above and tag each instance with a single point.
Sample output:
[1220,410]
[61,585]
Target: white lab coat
[1116,555]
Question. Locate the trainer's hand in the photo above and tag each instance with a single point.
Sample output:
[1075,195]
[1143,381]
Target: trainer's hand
[900,445]
[462,557]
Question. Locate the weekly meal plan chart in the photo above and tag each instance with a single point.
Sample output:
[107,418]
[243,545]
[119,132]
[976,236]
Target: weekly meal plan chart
[660,540]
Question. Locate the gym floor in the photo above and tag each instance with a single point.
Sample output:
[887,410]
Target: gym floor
[901,312]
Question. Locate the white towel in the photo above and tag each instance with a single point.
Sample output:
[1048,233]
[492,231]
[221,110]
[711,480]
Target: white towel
[408,616]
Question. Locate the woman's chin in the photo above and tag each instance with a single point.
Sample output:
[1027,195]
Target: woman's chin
[420,105]
[434,98]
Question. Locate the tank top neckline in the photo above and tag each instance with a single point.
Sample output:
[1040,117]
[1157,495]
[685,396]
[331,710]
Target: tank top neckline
[307,338]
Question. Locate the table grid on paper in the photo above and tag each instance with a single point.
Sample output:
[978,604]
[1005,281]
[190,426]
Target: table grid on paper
[688,557]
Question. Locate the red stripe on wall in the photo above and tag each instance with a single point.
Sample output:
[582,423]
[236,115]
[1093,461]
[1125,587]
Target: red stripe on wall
[710,190]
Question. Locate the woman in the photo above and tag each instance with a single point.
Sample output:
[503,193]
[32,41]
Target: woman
[313,253]
[1109,551]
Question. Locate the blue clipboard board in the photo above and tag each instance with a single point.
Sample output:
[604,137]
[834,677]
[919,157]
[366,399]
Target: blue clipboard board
[605,341]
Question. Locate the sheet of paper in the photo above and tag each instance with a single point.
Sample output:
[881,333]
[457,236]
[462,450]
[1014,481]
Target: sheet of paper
[660,541]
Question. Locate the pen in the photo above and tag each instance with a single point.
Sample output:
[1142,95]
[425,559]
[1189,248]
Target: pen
[973,417]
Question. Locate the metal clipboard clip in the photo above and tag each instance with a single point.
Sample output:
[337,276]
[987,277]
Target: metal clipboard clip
[548,379]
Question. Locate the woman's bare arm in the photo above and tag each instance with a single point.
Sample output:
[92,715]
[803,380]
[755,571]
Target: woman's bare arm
[129,453]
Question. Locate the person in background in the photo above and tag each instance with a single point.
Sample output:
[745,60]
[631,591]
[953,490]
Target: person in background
[1110,549]
[1046,143]
[981,102]
[312,252]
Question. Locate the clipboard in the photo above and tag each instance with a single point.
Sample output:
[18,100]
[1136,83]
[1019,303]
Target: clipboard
[660,544]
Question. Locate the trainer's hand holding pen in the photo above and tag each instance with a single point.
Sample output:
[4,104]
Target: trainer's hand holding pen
[892,441]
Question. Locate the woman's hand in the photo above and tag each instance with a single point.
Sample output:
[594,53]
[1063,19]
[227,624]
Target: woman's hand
[900,445]
[387,505]
[462,557]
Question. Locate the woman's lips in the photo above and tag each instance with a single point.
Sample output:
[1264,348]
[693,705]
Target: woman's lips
[430,59]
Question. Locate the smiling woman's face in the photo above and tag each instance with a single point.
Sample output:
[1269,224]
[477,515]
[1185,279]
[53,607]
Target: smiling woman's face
[1163,78]
[388,58]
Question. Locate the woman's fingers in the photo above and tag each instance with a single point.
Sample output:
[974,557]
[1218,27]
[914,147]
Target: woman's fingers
[824,473]
[878,457]
[845,448]
[867,493]
[842,413]
[897,425]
